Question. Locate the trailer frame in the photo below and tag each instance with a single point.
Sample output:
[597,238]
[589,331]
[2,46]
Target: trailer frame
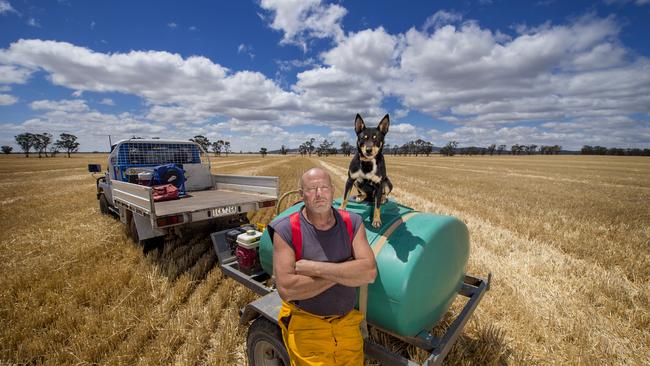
[268,306]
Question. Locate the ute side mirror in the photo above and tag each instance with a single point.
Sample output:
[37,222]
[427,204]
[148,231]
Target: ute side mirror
[94,168]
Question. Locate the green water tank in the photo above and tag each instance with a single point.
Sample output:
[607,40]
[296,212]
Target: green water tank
[420,267]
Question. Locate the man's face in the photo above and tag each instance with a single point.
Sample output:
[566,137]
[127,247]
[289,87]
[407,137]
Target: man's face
[317,192]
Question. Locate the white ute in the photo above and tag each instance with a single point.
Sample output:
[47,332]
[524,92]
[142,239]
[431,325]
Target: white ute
[207,198]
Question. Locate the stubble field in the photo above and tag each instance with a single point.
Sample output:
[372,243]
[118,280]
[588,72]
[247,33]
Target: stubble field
[567,239]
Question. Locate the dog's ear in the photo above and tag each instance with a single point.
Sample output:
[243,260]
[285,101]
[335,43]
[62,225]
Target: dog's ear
[358,124]
[383,125]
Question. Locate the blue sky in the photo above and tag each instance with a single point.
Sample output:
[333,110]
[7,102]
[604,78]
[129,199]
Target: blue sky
[274,72]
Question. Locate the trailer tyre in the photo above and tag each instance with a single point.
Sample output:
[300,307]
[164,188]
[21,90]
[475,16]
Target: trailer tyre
[264,344]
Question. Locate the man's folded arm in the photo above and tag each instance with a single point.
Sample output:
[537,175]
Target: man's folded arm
[362,269]
[293,286]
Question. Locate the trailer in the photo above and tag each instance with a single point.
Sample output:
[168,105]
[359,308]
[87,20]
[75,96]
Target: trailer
[264,343]
[136,166]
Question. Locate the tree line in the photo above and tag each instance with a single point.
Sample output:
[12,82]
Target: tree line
[452,149]
[217,147]
[601,150]
[420,147]
[42,144]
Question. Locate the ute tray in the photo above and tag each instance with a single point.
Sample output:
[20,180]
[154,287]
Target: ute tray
[205,200]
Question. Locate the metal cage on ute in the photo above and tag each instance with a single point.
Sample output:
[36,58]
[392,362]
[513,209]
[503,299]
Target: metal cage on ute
[130,157]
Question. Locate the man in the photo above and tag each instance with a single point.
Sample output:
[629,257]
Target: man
[317,277]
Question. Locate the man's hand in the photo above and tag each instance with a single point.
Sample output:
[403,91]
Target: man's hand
[292,285]
[306,267]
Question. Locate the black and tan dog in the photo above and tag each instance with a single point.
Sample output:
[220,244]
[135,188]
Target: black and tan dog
[367,172]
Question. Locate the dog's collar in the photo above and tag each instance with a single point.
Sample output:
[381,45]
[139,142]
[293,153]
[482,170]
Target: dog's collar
[364,158]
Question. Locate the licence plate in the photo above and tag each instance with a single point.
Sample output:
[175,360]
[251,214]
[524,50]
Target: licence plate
[227,210]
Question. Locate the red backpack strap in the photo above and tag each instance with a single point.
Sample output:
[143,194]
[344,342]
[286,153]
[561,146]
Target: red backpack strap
[296,234]
[348,224]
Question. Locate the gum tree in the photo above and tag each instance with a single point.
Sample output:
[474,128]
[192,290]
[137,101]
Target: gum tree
[68,142]
[26,141]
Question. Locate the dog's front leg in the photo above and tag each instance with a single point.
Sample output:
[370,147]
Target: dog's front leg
[346,192]
[361,196]
[387,187]
[376,217]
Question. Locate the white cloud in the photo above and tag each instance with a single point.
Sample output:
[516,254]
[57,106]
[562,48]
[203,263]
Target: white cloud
[172,25]
[547,73]
[5,7]
[193,28]
[32,22]
[370,53]
[175,114]
[301,20]
[288,65]
[333,97]
[6,99]
[401,133]
[166,81]
[340,136]
[400,113]
[92,25]
[441,18]
[91,126]
[434,135]
[250,136]
[636,2]
[619,132]
[402,128]
[107,101]
[76,105]
[10,74]
[246,49]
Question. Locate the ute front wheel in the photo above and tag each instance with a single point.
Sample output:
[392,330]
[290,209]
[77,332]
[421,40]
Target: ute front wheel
[264,344]
[103,205]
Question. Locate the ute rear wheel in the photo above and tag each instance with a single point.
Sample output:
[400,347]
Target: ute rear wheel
[147,245]
[264,344]
[133,231]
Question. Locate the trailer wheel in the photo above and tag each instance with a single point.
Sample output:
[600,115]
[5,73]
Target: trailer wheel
[103,205]
[264,344]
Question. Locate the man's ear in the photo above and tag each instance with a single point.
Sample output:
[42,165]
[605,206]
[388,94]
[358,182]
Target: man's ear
[383,125]
[358,124]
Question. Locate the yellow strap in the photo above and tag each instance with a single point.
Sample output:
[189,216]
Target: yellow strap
[363,292]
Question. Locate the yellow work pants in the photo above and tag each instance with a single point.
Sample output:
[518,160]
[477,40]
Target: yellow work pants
[317,340]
